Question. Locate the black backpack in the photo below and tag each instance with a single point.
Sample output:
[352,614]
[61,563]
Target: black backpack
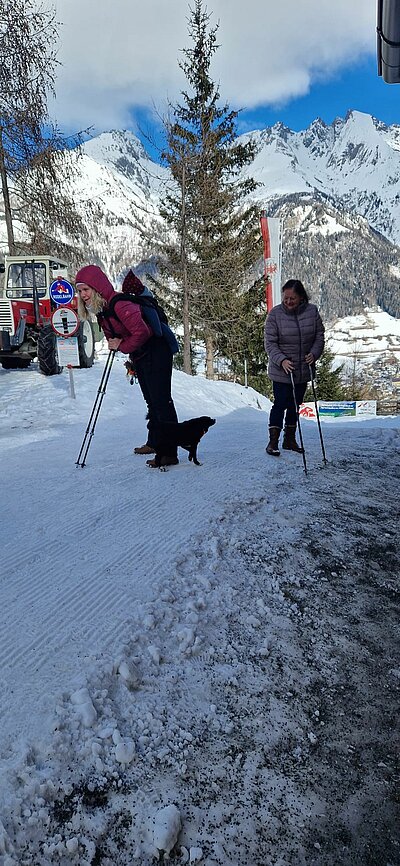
[152,313]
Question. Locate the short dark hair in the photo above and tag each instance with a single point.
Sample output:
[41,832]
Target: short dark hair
[297,287]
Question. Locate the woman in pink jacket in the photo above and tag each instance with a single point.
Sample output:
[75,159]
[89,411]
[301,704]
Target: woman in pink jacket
[130,334]
[293,340]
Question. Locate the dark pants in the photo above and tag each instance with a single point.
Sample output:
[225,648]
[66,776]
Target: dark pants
[283,402]
[154,373]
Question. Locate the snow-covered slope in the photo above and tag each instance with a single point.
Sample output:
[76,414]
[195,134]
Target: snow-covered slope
[198,666]
[117,188]
[368,336]
[368,347]
[122,152]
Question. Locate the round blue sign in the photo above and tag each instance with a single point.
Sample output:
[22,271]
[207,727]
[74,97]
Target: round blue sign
[61,291]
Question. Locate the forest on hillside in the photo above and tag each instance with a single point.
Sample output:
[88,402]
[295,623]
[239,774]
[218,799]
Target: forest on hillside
[343,271]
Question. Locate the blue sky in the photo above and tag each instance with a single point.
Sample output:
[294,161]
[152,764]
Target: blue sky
[358,87]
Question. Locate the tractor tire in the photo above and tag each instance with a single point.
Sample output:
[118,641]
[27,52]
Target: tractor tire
[47,352]
[14,363]
[86,344]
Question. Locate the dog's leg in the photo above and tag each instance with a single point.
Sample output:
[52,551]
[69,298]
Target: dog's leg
[193,455]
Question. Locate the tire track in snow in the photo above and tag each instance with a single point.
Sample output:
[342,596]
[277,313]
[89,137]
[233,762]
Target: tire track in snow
[128,534]
[40,599]
[74,523]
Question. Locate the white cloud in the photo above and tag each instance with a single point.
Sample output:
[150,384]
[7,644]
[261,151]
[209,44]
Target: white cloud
[125,53]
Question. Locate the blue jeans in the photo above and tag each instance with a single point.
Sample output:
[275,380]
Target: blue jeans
[283,402]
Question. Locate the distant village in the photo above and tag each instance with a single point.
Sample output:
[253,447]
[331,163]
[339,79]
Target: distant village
[369,347]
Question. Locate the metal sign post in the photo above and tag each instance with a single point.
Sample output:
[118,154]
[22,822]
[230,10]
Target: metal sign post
[71,382]
[65,324]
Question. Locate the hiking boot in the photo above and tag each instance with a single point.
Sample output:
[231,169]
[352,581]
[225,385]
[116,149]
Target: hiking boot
[165,461]
[289,440]
[144,449]
[272,447]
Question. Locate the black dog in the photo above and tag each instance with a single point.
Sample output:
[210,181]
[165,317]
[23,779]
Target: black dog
[187,434]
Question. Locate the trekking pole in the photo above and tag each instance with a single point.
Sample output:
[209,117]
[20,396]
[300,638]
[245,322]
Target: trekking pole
[317,414]
[298,424]
[95,411]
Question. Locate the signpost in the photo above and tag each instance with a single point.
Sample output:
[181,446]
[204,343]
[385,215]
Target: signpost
[65,324]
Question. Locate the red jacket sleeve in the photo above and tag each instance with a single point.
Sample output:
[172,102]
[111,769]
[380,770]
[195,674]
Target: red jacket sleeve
[130,327]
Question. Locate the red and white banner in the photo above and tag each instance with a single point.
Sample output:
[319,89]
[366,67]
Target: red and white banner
[271,230]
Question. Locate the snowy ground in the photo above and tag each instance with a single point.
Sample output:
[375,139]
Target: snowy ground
[204,661]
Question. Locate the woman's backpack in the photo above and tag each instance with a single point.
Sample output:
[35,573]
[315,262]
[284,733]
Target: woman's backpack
[152,313]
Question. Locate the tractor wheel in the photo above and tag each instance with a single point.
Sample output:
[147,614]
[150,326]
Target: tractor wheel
[47,352]
[14,363]
[86,344]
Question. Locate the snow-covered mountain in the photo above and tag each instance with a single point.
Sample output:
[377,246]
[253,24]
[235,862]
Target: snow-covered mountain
[345,264]
[352,165]
[336,188]
[354,161]
[117,188]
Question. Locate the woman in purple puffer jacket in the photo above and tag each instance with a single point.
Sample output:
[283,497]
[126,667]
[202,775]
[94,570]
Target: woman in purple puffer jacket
[293,340]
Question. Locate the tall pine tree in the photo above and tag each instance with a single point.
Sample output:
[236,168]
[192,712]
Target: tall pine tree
[215,231]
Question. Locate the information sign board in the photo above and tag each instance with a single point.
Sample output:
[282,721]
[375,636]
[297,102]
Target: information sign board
[68,352]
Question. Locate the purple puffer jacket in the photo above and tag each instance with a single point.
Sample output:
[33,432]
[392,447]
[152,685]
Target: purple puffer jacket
[292,335]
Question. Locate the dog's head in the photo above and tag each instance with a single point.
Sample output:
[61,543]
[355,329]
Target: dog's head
[205,423]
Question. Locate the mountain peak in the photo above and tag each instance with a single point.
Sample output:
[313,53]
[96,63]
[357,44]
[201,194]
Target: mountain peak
[110,147]
[318,123]
[354,161]
[279,129]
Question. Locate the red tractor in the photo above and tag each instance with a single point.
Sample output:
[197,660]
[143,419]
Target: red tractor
[26,308]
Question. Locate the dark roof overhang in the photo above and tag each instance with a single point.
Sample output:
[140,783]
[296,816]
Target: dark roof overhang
[388,40]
